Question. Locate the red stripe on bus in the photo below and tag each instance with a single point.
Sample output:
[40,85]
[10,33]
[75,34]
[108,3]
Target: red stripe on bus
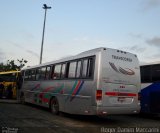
[120,94]
[77,87]
[41,95]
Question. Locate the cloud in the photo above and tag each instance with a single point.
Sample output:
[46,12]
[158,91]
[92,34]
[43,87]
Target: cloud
[23,48]
[32,53]
[155,55]
[27,36]
[138,36]
[135,49]
[155,41]
[155,58]
[150,4]
[148,51]
[15,44]
[1,53]
[92,41]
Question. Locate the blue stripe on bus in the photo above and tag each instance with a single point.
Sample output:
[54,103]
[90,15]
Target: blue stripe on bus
[81,84]
[70,93]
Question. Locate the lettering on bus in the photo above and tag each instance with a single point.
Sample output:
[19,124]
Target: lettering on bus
[121,58]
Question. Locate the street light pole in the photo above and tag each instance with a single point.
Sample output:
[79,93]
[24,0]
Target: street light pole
[44,7]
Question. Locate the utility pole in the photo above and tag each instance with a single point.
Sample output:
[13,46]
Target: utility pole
[45,7]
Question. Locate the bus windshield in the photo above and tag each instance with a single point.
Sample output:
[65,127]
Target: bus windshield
[11,77]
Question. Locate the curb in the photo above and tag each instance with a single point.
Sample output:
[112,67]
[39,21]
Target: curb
[8,101]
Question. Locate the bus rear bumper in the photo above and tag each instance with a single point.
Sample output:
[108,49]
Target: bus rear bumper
[116,110]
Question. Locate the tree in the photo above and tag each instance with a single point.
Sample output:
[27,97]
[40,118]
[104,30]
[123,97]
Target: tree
[2,66]
[11,65]
[22,63]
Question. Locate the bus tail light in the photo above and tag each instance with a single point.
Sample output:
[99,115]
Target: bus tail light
[99,95]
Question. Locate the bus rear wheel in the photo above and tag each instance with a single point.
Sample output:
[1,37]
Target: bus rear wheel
[54,106]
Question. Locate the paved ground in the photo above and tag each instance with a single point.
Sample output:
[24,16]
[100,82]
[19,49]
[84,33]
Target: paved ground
[32,119]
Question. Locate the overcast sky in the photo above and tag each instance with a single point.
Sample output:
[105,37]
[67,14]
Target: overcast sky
[73,26]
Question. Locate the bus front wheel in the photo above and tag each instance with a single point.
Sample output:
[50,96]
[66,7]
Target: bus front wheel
[54,106]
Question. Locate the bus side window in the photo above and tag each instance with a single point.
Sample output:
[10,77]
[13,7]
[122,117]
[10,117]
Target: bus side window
[87,68]
[72,70]
[43,72]
[90,67]
[29,75]
[48,71]
[78,70]
[57,72]
[33,74]
[146,74]
[63,74]
[156,73]
[84,68]
[26,74]
[38,71]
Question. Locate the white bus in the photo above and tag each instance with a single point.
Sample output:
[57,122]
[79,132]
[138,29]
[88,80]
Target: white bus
[150,88]
[101,81]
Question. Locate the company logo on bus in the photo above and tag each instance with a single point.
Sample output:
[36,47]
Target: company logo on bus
[121,70]
[121,58]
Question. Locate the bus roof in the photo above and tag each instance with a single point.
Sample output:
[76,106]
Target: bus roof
[149,64]
[80,55]
[8,72]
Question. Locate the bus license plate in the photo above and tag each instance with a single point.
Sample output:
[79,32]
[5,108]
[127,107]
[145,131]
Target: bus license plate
[121,99]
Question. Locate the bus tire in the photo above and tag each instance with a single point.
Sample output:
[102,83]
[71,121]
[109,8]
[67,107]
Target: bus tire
[54,106]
